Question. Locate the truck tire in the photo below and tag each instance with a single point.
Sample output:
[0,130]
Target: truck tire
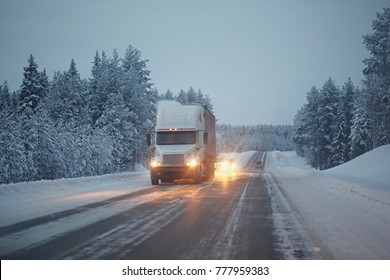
[198,176]
[154,181]
[210,171]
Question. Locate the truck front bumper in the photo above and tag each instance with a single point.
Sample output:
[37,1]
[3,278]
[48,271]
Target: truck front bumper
[174,172]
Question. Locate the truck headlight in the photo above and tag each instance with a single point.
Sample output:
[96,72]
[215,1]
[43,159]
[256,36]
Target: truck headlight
[154,163]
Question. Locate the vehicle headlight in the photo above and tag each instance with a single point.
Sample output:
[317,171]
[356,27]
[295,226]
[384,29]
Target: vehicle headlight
[155,163]
[192,163]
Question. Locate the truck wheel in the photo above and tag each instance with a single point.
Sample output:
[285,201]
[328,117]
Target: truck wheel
[198,176]
[154,181]
[210,172]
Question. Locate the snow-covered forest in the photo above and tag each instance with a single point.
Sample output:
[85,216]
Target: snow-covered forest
[338,124]
[70,127]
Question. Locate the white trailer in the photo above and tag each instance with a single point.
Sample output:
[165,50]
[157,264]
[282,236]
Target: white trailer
[185,143]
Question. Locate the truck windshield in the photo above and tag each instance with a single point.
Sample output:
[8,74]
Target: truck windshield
[176,137]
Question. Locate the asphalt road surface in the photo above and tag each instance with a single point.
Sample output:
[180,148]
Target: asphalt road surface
[227,218]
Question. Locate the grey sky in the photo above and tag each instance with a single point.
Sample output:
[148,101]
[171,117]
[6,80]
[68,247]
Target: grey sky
[256,59]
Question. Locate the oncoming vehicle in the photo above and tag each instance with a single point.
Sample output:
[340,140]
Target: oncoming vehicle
[226,165]
[184,144]
[258,164]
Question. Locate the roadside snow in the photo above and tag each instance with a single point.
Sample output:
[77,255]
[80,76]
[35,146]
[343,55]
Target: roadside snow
[343,212]
[28,200]
[371,167]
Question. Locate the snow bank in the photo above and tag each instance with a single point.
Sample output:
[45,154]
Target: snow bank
[373,166]
[344,212]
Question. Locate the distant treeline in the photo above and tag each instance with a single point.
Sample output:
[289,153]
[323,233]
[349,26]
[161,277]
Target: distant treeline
[259,138]
[336,125]
[239,138]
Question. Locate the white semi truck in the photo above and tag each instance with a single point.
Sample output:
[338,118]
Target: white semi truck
[185,143]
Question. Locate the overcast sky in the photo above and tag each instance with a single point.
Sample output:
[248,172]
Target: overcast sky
[256,59]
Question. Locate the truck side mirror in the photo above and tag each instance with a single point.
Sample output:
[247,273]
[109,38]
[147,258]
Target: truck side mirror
[148,139]
[206,138]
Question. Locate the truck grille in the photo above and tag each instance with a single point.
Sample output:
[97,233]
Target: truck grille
[173,159]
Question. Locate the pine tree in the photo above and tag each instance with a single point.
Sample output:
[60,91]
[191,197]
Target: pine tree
[182,97]
[97,95]
[377,77]
[327,111]
[67,103]
[5,100]
[339,148]
[139,99]
[348,99]
[307,137]
[168,95]
[33,88]
[361,141]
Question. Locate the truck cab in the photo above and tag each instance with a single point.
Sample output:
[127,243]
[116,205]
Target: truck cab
[184,143]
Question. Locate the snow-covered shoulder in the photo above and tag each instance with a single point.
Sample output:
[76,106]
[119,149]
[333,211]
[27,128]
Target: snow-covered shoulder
[27,200]
[344,211]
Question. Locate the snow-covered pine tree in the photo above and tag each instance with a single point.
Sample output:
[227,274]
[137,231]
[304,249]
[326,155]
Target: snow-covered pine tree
[360,137]
[66,105]
[299,131]
[327,111]
[306,122]
[205,100]
[140,100]
[341,146]
[377,77]
[34,86]
[168,95]
[98,93]
[5,99]
[192,96]
[348,98]
[13,161]
[182,97]
[46,153]
[340,139]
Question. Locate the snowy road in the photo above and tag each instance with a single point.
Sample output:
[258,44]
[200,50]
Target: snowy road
[286,211]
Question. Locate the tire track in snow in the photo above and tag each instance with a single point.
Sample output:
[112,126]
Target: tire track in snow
[117,242]
[223,247]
